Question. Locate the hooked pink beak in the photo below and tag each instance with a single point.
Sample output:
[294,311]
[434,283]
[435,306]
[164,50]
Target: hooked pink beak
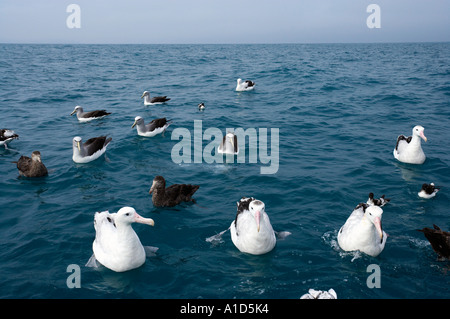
[139,219]
[151,188]
[257,217]
[423,136]
[377,223]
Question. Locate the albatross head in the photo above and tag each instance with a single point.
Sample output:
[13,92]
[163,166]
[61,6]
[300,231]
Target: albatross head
[145,93]
[374,214]
[75,110]
[418,131]
[77,143]
[127,216]
[257,208]
[137,121]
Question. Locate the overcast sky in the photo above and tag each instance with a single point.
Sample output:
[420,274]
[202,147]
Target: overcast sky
[223,21]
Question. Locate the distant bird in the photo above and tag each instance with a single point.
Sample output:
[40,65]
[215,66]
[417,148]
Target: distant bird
[172,195]
[116,245]
[377,202]
[156,126]
[409,149]
[362,231]
[251,231]
[229,144]
[428,190]
[320,294]
[88,116]
[89,151]
[439,240]
[31,167]
[201,106]
[6,136]
[154,100]
[244,85]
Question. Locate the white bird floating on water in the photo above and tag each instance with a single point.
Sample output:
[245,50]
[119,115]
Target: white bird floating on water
[428,190]
[153,100]
[244,85]
[88,116]
[89,151]
[409,149]
[156,126]
[7,136]
[362,231]
[229,144]
[377,201]
[320,294]
[116,245]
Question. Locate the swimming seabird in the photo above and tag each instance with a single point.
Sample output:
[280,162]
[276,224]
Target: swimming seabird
[428,190]
[7,136]
[172,195]
[409,149]
[244,85]
[251,231]
[88,116]
[31,167]
[377,201]
[320,294]
[153,100]
[156,126]
[201,106]
[362,231]
[92,149]
[439,240]
[116,245]
[229,144]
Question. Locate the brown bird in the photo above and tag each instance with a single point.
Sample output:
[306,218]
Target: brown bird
[31,167]
[172,195]
[439,240]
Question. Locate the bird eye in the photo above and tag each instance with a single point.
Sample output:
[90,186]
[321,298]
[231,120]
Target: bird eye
[370,214]
[127,214]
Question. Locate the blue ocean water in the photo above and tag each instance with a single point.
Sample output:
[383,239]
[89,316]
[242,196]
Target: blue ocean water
[339,109]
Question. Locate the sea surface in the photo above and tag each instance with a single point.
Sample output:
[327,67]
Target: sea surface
[338,108]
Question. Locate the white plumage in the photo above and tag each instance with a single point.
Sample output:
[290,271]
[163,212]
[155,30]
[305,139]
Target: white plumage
[244,85]
[89,151]
[362,231]
[409,149]
[251,231]
[428,190]
[116,245]
[155,127]
[229,144]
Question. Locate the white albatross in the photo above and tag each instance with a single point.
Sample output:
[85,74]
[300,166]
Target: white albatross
[89,151]
[156,126]
[409,149]
[229,144]
[244,85]
[251,231]
[362,231]
[153,100]
[88,116]
[116,245]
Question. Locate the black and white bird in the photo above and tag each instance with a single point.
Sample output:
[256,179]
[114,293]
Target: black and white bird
[377,201]
[362,231]
[409,149]
[31,167]
[251,230]
[116,245]
[89,151]
[155,127]
[88,116]
[229,144]
[201,106]
[428,190]
[172,195]
[6,136]
[439,240]
[153,100]
[244,85]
